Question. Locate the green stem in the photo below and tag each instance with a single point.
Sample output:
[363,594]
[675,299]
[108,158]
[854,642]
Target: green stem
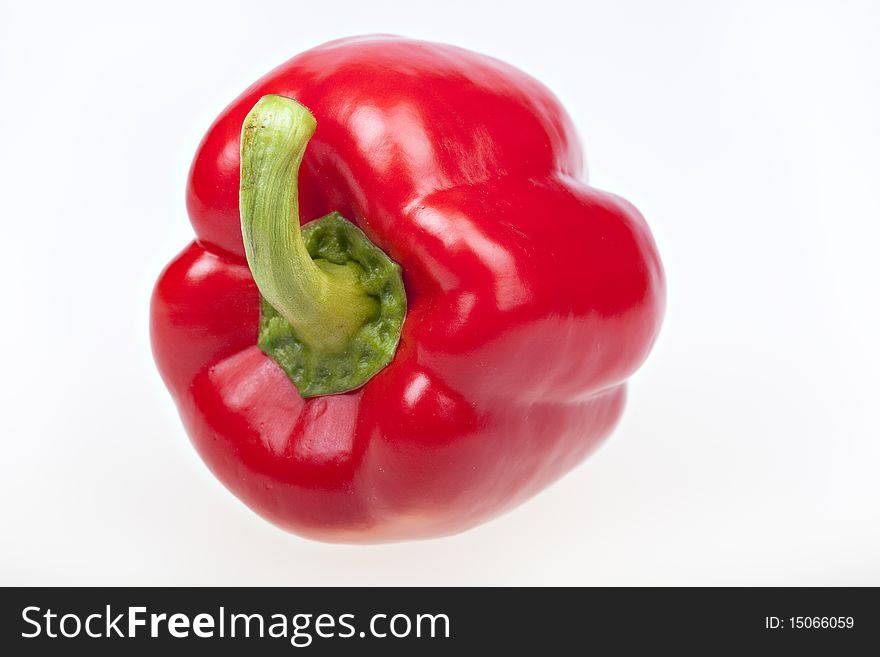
[324,302]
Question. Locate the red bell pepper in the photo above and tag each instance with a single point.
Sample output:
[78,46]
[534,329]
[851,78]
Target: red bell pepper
[345,405]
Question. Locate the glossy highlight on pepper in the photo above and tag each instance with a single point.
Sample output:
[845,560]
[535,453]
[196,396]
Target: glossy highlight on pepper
[531,297]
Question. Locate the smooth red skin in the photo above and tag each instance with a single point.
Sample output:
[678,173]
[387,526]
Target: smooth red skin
[532,297]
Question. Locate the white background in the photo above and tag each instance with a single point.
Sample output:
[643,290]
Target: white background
[748,135]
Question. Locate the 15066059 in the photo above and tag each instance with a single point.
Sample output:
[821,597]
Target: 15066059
[821,622]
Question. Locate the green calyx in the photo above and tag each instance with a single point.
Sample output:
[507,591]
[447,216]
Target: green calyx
[333,304]
[333,241]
